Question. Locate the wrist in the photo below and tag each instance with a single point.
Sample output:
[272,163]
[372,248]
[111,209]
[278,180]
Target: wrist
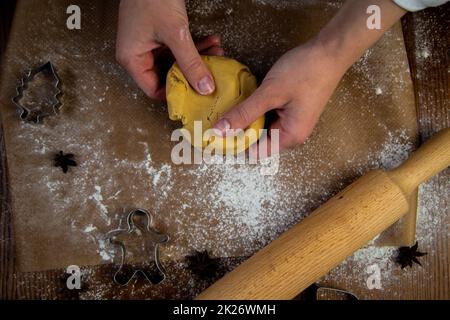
[333,48]
[347,36]
[326,51]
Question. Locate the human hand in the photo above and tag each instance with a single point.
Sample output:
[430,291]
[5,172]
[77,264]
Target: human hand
[297,88]
[151,35]
[299,85]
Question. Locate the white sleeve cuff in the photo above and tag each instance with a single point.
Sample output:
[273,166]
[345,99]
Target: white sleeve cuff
[416,5]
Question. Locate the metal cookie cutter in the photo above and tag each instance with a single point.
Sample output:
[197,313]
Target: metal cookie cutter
[141,238]
[325,293]
[37,113]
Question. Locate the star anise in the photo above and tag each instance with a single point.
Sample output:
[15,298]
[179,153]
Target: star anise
[407,255]
[64,161]
[202,265]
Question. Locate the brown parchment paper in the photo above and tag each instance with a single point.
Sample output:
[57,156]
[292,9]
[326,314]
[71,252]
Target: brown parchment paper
[121,139]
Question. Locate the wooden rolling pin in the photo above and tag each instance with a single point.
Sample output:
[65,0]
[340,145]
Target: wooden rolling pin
[334,231]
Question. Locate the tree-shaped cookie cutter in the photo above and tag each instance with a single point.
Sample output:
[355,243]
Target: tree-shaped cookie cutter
[32,115]
[148,233]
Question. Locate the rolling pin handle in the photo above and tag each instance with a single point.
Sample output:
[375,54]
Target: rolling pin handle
[431,158]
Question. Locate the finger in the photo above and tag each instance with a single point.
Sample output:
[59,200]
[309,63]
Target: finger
[261,149]
[208,42]
[280,138]
[213,51]
[190,63]
[146,77]
[248,111]
[287,131]
[270,145]
[267,146]
[203,46]
[294,127]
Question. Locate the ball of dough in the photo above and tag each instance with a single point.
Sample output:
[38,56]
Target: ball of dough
[234,83]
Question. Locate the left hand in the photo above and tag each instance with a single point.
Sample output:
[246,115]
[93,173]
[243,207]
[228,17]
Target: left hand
[153,33]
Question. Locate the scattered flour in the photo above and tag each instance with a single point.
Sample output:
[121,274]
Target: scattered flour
[105,251]
[395,150]
[89,228]
[378,91]
[424,53]
[98,198]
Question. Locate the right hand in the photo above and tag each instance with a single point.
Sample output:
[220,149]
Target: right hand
[296,89]
[153,31]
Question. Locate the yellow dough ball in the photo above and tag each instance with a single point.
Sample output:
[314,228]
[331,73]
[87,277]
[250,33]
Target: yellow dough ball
[234,83]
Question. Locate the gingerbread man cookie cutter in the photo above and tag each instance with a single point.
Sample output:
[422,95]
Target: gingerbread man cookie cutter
[150,238]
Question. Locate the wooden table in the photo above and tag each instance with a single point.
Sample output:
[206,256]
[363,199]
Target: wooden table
[429,70]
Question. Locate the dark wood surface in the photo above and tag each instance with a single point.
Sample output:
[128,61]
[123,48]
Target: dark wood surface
[6,15]
[431,85]
[7,281]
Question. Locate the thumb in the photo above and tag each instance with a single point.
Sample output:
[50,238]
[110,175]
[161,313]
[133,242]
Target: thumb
[246,112]
[191,64]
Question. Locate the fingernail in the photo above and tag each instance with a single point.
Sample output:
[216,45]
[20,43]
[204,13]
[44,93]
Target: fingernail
[223,125]
[206,86]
